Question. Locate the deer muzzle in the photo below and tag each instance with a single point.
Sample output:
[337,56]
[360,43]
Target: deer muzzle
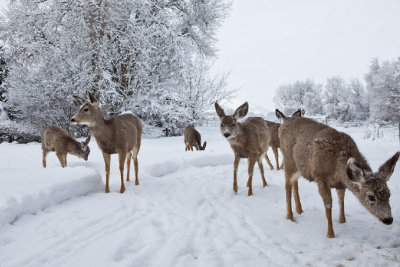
[387,220]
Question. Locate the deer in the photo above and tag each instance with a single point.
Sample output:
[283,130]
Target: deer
[274,143]
[119,134]
[192,138]
[331,158]
[55,139]
[249,139]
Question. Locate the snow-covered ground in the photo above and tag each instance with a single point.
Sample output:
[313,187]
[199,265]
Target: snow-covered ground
[184,213]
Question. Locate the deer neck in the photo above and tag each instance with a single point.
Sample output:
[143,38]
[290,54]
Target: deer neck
[99,129]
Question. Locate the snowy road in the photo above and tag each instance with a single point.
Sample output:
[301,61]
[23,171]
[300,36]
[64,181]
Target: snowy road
[185,213]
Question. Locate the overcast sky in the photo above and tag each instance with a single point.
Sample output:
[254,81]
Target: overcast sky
[265,43]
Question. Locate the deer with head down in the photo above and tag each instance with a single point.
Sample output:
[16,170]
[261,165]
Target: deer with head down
[330,158]
[248,139]
[119,134]
[57,140]
[192,138]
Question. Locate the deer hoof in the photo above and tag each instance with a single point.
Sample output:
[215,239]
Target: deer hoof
[250,193]
[107,190]
[122,190]
[330,235]
[136,182]
[235,188]
[290,217]
[342,220]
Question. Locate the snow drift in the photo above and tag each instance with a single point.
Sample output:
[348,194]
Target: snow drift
[29,191]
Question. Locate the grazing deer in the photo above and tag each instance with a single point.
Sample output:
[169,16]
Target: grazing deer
[120,134]
[54,138]
[192,138]
[330,158]
[249,140]
[274,143]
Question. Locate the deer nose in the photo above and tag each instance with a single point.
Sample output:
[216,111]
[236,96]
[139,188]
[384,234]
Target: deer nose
[226,135]
[73,120]
[387,220]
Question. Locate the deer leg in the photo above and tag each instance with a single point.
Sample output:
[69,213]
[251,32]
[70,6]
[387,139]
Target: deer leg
[295,188]
[235,167]
[340,193]
[121,169]
[136,163]
[107,159]
[268,161]
[65,160]
[325,192]
[251,163]
[186,147]
[44,158]
[261,167]
[128,164]
[288,189]
[282,165]
[60,158]
[275,150]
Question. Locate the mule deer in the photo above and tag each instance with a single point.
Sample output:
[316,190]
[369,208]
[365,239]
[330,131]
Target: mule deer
[57,140]
[192,138]
[330,158]
[274,143]
[249,140]
[120,134]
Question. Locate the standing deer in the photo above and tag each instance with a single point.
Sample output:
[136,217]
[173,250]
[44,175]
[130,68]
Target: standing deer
[249,140]
[192,138]
[120,134]
[57,140]
[274,143]
[330,158]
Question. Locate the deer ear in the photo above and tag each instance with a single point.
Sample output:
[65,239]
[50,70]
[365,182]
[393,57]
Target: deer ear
[303,112]
[78,101]
[241,111]
[297,114]
[204,145]
[219,110]
[279,114]
[91,97]
[386,170]
[354,172]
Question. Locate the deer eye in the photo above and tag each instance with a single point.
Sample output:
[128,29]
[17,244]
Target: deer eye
[371,198]
[222,125]
[233,125]
[86,109]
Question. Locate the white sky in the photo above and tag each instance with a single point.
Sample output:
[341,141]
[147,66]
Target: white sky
[265,43]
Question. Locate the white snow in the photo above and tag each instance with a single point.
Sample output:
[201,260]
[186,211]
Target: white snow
[184,213]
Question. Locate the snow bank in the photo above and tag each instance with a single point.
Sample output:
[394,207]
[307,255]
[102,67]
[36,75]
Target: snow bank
[30,190]
[170,166]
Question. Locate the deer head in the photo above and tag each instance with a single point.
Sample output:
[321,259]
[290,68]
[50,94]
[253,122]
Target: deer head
[204,146]
[229,126]
[371,188]
[89,111]
[85,150]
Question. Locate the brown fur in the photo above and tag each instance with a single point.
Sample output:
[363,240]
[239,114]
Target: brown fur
[192,138]
[55,139]
[249,139]
[330,158]
[120,134]
[273,129]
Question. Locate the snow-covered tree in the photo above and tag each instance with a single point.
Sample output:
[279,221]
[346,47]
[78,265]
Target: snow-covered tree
[301,94]
[132,55]
[383,86]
